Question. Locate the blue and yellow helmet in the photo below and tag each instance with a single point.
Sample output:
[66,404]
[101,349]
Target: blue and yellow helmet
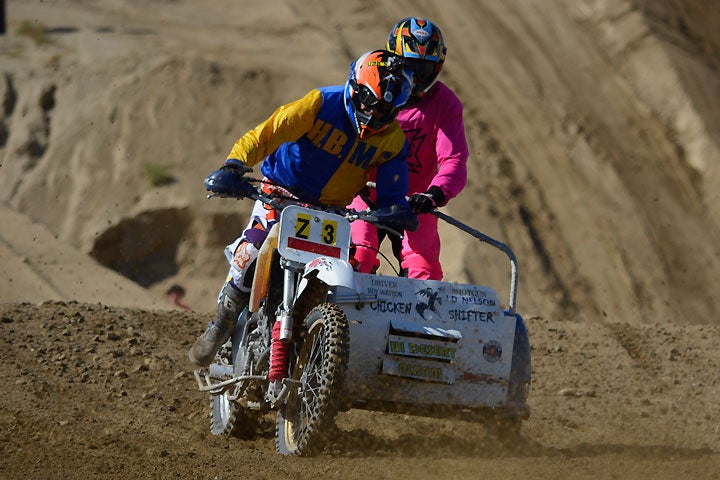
[421,43]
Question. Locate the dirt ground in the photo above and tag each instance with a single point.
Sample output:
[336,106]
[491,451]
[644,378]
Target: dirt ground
[98,392]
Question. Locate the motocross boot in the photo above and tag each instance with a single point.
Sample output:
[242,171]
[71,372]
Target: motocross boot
[232,303]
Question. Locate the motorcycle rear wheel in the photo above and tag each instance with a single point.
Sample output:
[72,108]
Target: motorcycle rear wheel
[230,418]
[307,416]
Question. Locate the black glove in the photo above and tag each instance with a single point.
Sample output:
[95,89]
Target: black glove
[230,181]
[396,217]
[428,201]
[236,165]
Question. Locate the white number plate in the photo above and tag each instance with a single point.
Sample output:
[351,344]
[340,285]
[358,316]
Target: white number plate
[306,234]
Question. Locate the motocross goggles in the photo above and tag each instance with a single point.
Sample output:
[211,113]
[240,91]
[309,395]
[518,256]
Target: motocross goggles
[370,110]
[424,72]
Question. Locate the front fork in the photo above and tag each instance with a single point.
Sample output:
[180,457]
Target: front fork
[283,326]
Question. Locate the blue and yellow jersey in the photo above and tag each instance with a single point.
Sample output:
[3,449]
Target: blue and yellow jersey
[311,148]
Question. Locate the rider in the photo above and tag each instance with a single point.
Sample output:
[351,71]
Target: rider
[319,149]
[434,127]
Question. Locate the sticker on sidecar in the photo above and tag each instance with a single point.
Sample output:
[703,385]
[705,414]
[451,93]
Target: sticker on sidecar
[430,300]
[421,348]
[419,370]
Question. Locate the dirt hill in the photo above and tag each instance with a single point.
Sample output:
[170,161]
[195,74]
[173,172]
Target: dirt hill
[594,131]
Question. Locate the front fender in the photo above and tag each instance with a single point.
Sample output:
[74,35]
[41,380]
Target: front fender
[318,275]
[331,271]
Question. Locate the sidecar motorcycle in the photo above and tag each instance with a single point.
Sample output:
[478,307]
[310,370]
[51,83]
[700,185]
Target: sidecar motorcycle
[375,342]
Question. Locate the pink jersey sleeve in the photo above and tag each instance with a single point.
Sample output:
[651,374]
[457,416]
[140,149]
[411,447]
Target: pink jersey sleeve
[435,130]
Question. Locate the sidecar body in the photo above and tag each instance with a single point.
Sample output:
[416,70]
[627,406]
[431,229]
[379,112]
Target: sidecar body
[427,345]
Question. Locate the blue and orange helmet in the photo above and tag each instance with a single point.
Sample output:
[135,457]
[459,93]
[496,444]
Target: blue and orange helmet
[421,44]
[376,89]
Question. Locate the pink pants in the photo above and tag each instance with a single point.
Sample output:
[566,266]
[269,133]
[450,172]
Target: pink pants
[420,249]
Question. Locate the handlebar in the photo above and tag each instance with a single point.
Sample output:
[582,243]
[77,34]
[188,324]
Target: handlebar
[278,202]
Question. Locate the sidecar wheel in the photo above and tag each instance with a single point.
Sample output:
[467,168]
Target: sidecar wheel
[230,418]
[505,427]
[306,419]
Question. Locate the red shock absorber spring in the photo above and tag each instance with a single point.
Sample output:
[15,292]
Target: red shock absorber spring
[278,355]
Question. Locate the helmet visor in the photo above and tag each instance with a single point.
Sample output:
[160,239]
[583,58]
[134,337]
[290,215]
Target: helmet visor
[424,72]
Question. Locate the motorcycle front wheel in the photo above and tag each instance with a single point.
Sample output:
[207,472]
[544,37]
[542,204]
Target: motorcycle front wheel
[308,414]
